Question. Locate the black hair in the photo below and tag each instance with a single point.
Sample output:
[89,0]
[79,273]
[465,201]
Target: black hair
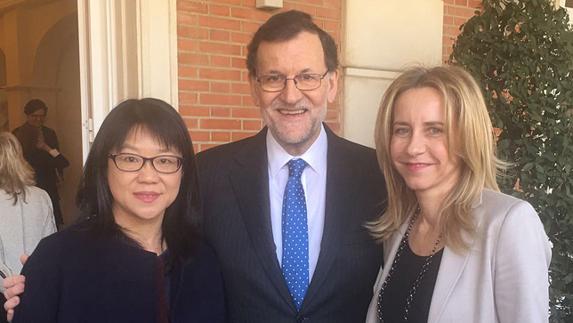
[181,222]
[285,26]
[35,105]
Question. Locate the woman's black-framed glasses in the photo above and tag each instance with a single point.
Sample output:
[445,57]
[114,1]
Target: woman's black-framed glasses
[164,164]
[302,81]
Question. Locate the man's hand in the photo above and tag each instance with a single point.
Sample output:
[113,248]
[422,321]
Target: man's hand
[42,145]
[14,286]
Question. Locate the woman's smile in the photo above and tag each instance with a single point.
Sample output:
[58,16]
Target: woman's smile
[147,197]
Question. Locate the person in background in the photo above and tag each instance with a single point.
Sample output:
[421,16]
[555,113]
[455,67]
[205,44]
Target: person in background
[455,248]
[138,255]
[25,210]
[41,150]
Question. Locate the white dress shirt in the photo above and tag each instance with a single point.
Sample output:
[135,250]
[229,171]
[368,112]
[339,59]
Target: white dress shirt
[314,184]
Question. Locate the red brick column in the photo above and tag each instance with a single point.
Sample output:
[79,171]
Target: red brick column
[456,13]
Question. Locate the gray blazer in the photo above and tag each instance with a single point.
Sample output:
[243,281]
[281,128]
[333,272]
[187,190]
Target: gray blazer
[504,276]
[235,195]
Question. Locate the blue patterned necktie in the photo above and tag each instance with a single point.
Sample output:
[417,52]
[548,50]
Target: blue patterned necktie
[295,234]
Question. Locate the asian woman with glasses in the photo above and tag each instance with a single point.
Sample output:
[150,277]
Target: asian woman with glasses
[137,256]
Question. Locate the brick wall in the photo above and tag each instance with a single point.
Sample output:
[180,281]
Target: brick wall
[214,94]
[456,12]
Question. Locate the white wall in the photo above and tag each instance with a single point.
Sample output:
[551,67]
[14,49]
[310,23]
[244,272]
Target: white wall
[569,10]
[381,38]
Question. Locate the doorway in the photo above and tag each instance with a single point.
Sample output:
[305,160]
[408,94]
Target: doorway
[39,39]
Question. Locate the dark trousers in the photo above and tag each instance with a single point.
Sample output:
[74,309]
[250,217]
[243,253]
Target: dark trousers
[2,311]
[58,213]
[55,198]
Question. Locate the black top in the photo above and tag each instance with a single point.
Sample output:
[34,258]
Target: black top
[77,275]
[400,285]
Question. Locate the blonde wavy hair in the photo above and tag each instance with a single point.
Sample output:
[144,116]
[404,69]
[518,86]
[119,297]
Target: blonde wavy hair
[467,121]
[15,172]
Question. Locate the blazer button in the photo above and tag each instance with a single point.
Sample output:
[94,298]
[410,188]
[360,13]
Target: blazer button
[302,319]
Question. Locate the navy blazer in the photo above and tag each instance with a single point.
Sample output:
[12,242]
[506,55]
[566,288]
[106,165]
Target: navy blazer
[235,193]
[78,276]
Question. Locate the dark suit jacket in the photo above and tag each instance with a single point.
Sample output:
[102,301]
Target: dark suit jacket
[46,168]
[77,276]
[235,194]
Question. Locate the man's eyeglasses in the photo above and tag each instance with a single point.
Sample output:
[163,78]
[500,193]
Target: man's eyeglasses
[164,164]
[277,82]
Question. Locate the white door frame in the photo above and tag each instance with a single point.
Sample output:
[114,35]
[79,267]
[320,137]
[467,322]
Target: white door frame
[128,49]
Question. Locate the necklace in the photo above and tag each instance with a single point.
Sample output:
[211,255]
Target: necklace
[419,277]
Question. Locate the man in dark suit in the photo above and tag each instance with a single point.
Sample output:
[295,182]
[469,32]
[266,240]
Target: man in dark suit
[41,150]
[293,72]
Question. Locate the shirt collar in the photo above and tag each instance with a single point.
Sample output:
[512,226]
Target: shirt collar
[315,156]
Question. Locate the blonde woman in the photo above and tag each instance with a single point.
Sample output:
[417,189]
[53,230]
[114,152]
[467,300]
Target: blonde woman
[25,210]
[455,248]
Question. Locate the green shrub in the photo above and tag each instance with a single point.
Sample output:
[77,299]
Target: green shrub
[521,54]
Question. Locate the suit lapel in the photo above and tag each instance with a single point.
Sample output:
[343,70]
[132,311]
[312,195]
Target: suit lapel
[337,208]
[250,184]
[390,250]
[451,269]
